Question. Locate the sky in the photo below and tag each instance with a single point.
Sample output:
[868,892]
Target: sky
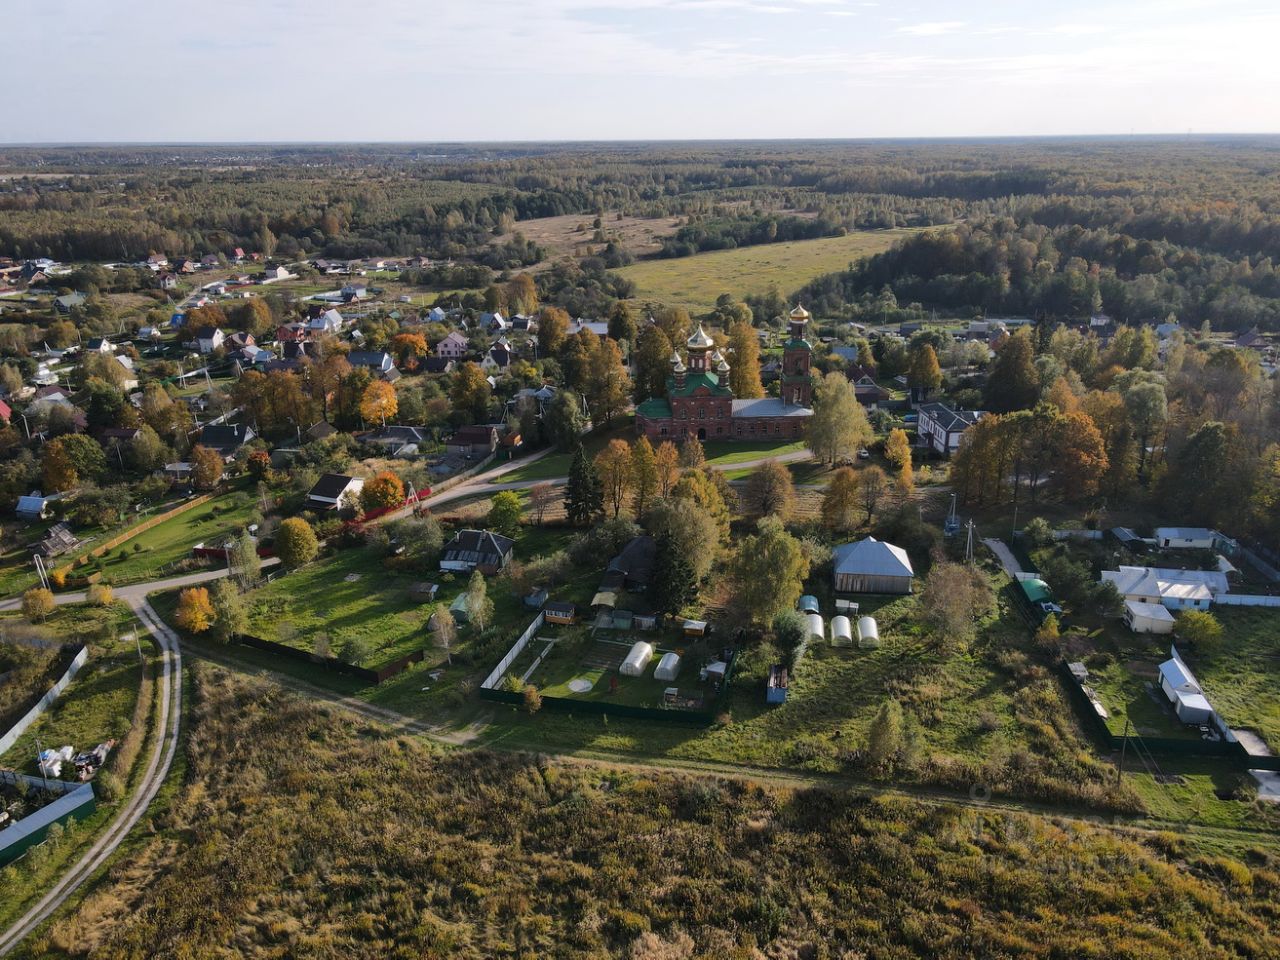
[502,70]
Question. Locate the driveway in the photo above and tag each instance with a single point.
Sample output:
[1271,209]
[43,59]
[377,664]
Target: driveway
[1007,560]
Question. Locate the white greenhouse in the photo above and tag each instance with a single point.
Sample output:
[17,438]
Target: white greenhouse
[841,632]
[816,628]
[668,667]
[637,660]
[868,632]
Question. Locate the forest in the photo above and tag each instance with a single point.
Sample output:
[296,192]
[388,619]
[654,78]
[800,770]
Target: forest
[393,850]
[1138,228]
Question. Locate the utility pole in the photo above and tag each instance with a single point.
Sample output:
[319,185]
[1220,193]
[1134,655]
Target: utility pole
[1124,746]
[44,774]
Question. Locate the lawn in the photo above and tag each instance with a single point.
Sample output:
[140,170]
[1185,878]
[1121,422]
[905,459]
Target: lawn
[1130,690]
[727,453]
[148,555]
[555,465]
[695,282]
[99,702]
[576,655]
[1239,678]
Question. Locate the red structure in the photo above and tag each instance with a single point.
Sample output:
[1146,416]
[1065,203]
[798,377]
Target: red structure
[699,402]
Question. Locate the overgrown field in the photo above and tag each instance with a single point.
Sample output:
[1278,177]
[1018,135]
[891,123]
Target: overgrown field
[695,282]
[391,850]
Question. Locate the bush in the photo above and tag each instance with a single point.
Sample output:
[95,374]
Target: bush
[108,786]
[100,595]
[1037,532]
[37,604]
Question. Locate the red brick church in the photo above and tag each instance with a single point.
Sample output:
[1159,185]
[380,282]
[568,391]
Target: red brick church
[699,402]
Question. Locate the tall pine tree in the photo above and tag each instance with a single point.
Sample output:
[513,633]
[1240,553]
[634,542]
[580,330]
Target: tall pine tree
[673,581]
[583,496]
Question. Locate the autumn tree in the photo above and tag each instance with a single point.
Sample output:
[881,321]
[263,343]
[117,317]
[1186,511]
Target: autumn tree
[384,489]
[769,491]
[522,294]
[37,604]
[541,496]
[444,631]
[553,326]
[378,403]
[651,360]
[1201,629]
[744,365]
[243,561]
[872,485]
[479,604]
[195,610]
[1013,383]
[886,736]
[614,468]
[69,461]
[470,392]
[407,349]
[700,487]
[504,514]
[607,386]
[838,427]
[954,597]
[296,543]
[692,454]
[666,460]
[644,475]
[897,448]
[768,571]
[841,503]
[207,467]
[924,374]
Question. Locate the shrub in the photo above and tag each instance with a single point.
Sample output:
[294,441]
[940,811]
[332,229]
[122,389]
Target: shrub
[195,610]
[37,604]
[296,543]
[108,786]
[1037,532]
[100,595]
[532,700]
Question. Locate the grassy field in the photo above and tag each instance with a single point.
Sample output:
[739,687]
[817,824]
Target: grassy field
[1239,678]
[557,464]
[99,702]
[1130,690]
[395,849]
[146,556]
[695,282]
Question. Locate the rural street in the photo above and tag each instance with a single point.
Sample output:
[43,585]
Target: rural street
[161,759]
[136,593]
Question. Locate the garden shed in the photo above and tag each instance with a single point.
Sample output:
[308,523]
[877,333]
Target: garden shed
[668,667]
[872,566]
[637,659]
[808,604]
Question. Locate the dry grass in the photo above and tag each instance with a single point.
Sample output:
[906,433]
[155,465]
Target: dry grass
[571,235]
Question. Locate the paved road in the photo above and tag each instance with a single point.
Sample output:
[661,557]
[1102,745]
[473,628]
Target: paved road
[161,759]
[136,593]
[489,482]
[1007,560]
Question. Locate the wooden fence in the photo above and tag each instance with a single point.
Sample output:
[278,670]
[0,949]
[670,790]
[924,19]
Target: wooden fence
[143,527]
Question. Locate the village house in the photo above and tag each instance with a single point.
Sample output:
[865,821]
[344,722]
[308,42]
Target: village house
[69,301]
[480,550]
[453,347]
[225,438]
[335,491]
[940,427]
[498,358]
[398,440]
[1174,589]
[376,361]
[328,322]
[473,441]
[209,339]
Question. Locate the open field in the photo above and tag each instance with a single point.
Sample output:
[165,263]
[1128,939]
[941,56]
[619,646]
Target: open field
[695,282]
[446,840]
[572,234]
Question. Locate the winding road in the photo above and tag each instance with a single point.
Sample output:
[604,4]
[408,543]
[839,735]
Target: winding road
[158,764]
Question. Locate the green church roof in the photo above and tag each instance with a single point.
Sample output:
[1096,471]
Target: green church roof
[695,380]
[655,408]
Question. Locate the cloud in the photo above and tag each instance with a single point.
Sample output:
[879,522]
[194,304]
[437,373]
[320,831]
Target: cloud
[932,28]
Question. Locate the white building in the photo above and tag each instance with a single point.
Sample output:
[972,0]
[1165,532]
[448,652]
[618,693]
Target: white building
[1173,589]
[941,427]
[1147,617]
[1186,538]
[1183,690]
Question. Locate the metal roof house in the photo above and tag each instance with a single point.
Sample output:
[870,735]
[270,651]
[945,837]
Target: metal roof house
[477,550]
[1175,589]
[1186,538]
[334,491]
[872,566]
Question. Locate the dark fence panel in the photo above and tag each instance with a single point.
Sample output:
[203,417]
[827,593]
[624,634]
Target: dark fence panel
[386,671]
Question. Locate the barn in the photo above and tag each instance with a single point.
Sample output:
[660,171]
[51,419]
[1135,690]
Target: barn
[872,566]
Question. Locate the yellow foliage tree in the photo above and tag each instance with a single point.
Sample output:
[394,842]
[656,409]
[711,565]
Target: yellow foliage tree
[378,404]
[195,610]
